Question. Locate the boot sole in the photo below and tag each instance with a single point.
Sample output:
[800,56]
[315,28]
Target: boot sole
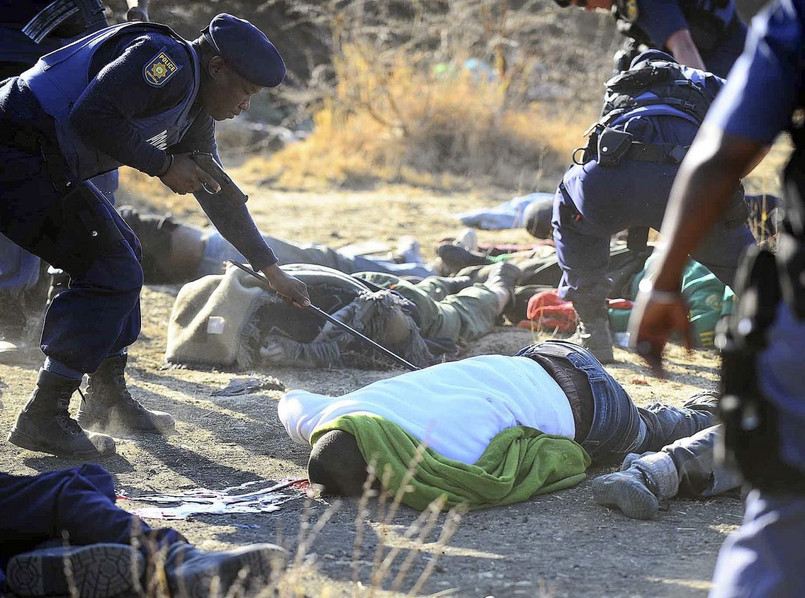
[23,440]
[631,500]
[215,580]
[94,571]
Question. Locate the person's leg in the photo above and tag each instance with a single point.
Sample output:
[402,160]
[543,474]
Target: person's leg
[77,507]
[218,250]
[465,315]
[618,426]
[688,467]
[764,557]
[96,317]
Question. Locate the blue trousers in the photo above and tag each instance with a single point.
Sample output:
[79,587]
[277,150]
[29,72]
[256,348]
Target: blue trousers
[19,269]
[81,233]
[618,425]
[764,557]
[595,202]
[76,505]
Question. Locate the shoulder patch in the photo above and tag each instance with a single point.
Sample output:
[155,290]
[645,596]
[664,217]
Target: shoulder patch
[160,69]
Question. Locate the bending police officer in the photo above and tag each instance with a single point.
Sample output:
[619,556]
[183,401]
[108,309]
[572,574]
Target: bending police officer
[704,34]
[622,180]
[29,30]
[134,94]
[763,97]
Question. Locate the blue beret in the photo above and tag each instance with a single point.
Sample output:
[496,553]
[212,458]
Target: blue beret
[246,50]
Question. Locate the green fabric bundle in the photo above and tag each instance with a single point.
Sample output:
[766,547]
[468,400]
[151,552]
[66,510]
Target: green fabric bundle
[708,299]
[519,463]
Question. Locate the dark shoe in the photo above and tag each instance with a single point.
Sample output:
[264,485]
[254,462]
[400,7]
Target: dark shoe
[191,572]
[596,338]
[648,481]
[457,257]
[45,425]
[628,492]
[109,407]
[94,571]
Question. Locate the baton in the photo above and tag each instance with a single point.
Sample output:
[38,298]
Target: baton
[261,277]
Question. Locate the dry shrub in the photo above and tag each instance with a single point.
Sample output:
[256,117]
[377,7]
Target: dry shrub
[403,105]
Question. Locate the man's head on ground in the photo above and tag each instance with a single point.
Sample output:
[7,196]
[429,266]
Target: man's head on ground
[336,464]
[237,61]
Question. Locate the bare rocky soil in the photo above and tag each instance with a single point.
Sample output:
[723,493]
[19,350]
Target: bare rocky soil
[556,545]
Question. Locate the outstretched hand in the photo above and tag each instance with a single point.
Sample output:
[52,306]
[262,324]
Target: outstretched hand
[651,324]
[288,287]
[185,176]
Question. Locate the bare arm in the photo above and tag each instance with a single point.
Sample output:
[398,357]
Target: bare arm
[681,45]
[701,192]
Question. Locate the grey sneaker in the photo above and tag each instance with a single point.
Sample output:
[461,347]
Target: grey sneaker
[93,571]
[596,338]
[627,491]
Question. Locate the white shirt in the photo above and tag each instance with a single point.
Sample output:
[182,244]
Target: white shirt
[455,407]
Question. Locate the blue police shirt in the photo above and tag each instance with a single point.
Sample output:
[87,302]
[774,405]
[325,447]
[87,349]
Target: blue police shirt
[115,93]
[774,63]
[660,19]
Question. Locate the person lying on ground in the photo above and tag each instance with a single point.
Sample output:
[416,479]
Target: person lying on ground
[496,429]
[63,535]
[234,321]
[687,468]
[174,251]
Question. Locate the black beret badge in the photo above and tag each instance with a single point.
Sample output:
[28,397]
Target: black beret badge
[160,69]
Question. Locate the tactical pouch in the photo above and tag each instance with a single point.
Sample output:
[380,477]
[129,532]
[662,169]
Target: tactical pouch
[613,146]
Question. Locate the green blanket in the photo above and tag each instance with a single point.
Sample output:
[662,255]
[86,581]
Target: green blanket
[519,463]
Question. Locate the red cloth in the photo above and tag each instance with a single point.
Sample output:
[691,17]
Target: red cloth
[547,311]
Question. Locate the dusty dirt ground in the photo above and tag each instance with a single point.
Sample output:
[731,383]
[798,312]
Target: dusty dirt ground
[556,545]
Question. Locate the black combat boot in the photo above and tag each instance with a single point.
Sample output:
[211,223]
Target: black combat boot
[196,574]
[109,407]
[592,332]
[45,425]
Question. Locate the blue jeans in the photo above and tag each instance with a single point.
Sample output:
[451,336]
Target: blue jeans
[618,425]
[218,250]
[79,502]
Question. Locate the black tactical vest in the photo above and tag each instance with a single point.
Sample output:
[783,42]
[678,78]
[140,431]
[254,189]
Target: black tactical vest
[668,84]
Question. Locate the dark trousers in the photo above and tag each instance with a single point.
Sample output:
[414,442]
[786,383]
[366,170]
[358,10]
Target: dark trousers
[74,505]
[616,426]
[81,233]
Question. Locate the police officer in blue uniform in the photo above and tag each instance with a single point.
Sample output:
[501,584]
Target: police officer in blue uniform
[704,34]
[622,179]
[764,402]
[134,94]
[29,30]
